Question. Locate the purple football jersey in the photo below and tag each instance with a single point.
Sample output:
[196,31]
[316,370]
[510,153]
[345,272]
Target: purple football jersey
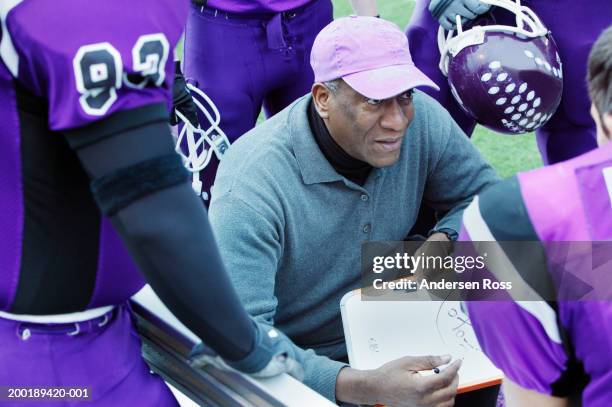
[579,200]
[552,347]
[88,62]
[256,6]
[64,65]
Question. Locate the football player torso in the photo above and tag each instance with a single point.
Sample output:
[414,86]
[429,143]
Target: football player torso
[256,6]
[64,65]
[562,346]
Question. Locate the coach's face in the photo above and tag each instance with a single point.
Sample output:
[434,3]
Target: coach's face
[369,130]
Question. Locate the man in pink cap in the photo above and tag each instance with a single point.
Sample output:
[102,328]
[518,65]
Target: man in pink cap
[351,162]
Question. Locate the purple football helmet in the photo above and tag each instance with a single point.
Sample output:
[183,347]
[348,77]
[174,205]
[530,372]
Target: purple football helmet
[509,79]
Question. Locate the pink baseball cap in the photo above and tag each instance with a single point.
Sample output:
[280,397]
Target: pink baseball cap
[370,54]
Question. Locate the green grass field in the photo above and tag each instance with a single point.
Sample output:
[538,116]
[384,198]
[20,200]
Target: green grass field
[508,154]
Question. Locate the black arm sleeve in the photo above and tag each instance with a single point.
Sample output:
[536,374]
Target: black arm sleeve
[167,230]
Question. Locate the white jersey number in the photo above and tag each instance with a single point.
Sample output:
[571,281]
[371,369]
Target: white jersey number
[98,71]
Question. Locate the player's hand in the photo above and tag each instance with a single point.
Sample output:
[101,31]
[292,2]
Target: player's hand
[272,354]
[446,11]
[182,101]
[399,384]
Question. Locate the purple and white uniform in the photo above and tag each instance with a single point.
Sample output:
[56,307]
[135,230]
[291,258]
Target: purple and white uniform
[64,65]
[563,347]
[575,26]
[245,54]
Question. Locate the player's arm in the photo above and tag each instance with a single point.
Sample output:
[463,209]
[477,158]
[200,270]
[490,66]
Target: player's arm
[515,395]
[537,369]
[139,183]
[364,7]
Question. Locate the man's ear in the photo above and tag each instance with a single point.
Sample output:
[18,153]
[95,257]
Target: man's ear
[603,123]
[322,98]
[607,125]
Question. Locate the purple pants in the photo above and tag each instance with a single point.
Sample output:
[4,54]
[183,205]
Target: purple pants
[575,26]
[105,357]
[243,62]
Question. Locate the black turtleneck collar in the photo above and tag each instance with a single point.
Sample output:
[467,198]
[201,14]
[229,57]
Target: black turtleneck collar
[345,165]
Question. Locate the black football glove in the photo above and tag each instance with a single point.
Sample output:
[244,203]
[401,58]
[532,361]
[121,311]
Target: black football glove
[272,355]
[446,11]
[182,101]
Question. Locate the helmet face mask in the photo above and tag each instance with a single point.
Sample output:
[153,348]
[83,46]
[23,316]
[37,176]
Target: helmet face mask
[196,145]
[508,78]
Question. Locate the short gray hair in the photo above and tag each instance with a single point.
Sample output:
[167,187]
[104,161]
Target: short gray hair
[599,73]
[333,85]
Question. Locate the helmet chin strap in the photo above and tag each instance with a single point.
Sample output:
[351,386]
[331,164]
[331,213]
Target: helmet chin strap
[201,143]
[527,25]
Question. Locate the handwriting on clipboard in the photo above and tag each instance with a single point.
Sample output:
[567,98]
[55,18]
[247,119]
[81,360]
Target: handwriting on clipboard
[455,328]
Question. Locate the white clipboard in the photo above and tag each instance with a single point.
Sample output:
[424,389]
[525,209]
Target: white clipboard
[377,332]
